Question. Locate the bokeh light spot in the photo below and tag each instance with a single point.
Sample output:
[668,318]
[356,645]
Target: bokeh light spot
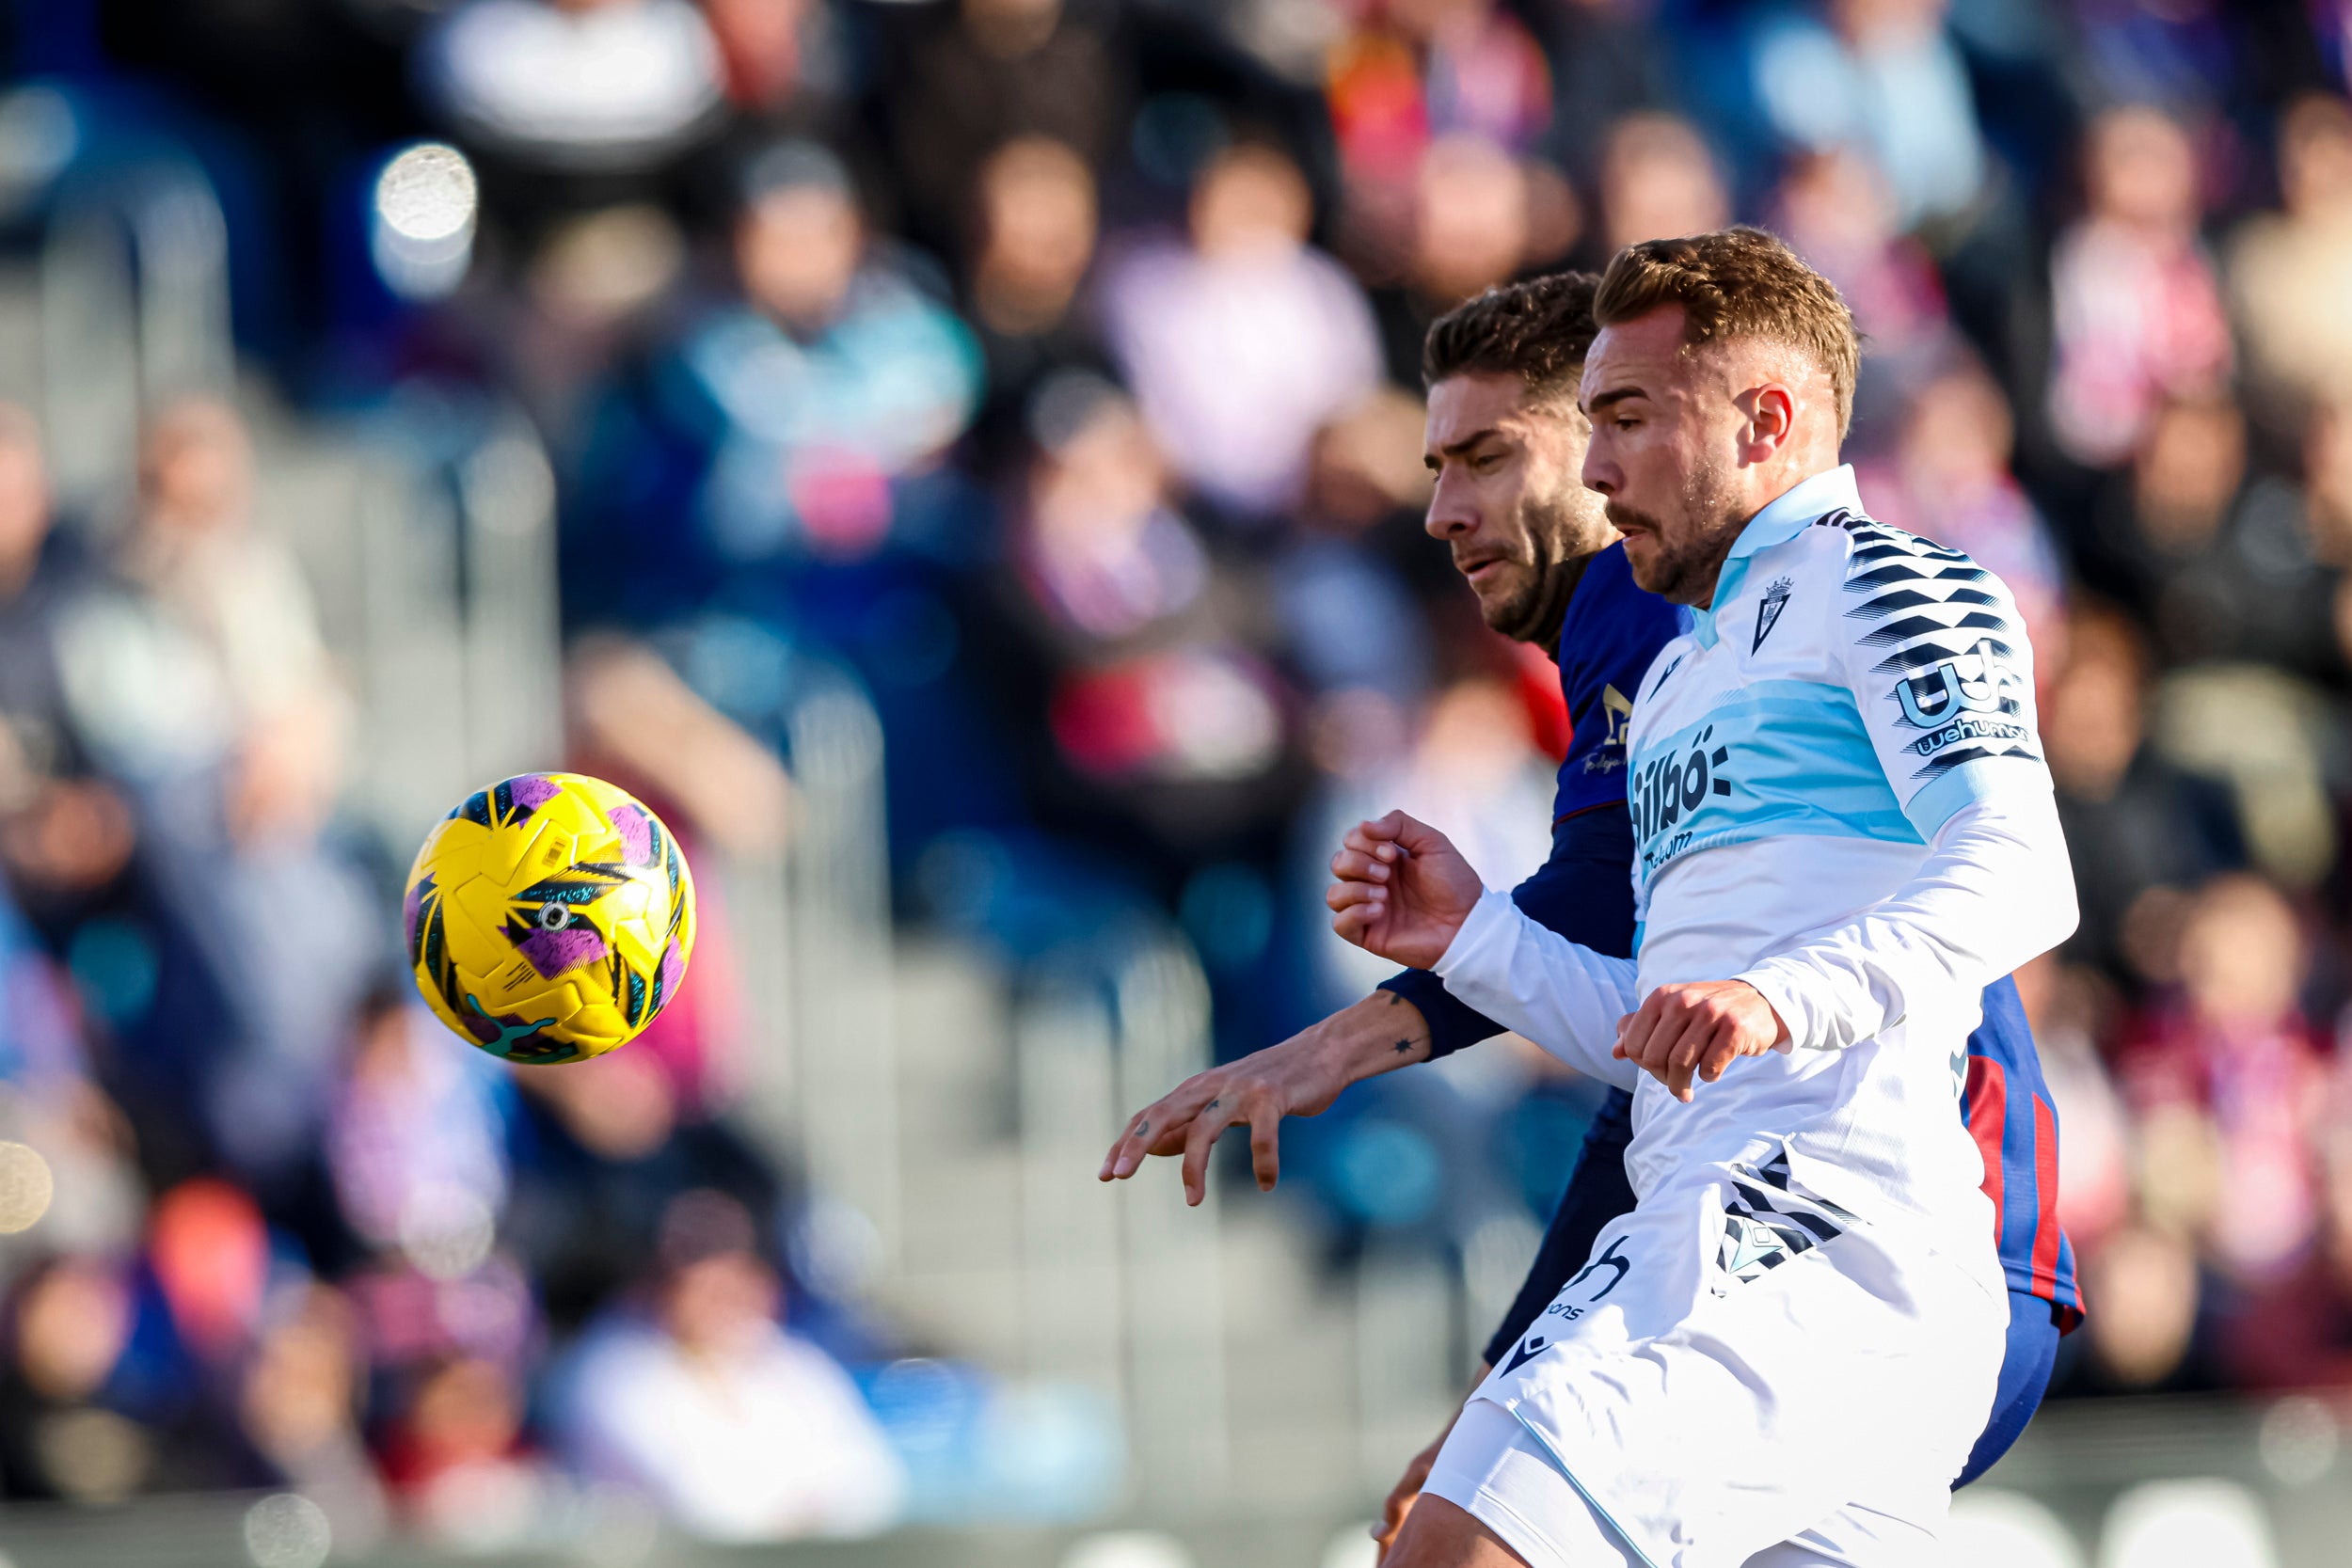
[427,193]
[26,1188]
[287,1530]
[421,232]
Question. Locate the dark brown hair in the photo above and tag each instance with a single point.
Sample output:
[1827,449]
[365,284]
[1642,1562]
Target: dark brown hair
[1738,282]
[1539,330]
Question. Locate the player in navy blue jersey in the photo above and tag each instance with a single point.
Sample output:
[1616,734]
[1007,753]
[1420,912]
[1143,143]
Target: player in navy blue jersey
[1507,444]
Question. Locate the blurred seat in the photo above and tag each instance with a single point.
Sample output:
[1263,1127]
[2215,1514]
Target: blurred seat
[1129,1548]
[1352,1547]
[1992,1528]
[2199,1523]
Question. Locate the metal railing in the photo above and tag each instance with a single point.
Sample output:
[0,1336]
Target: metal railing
[135,311]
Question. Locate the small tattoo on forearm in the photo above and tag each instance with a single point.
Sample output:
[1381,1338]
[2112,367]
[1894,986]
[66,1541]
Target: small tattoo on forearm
[1215,1103]
[1403,1046]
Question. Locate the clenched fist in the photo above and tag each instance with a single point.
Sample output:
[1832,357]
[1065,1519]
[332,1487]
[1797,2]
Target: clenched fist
[1403,890]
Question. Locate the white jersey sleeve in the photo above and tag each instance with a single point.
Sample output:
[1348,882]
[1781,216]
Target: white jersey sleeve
[1936,657]
[1559,994]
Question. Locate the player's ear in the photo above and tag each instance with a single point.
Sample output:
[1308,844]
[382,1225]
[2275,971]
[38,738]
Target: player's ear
[1770,411]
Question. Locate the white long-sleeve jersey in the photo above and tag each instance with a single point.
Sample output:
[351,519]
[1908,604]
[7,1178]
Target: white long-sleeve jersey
[1838,797]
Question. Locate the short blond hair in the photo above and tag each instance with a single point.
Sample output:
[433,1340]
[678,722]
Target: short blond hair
[1738,282]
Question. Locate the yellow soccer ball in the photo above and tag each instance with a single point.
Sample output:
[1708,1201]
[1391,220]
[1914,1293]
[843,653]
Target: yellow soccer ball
[549,918]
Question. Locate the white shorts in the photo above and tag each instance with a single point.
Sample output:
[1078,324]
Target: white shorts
[1494,1469]
[1741,1372]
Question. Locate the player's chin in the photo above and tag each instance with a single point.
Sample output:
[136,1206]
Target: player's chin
[1646,562]
[1504,595]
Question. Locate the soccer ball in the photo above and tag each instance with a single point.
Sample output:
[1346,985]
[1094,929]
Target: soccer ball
[549,918]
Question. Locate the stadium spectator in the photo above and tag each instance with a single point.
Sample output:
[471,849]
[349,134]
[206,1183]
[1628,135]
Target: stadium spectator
[51,1101]
[987,72]
[1886,80]
[2145,1283]
[1034,230]
[1134,664]
[1606,63]
[2288,269]
[1486,78]
[299,1401]
[1350,624]
[630,718]
[1408,74]
[416,1139]
[1242,342]
[1105,553]
[208,1247]
[66,831]
[1658,177]
[458,1461]
[1473,768]
[217,702]
[237,596]
[1835,208]
[2216,556]
[2142,832]
[774,51]
[736,1428]
[2137,309]
[1478,216]
[799,405]
[87,1414]
[2229,1080]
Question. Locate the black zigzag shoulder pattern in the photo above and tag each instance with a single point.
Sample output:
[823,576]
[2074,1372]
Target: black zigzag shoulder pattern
[1950,645]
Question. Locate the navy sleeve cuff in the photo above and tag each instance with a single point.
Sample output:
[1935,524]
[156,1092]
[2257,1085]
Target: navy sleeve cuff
[1453,1022]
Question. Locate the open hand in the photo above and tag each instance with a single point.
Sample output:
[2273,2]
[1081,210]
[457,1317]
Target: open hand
[1300,1077]
[1697,1026]
[1292,1079]
[1403,890]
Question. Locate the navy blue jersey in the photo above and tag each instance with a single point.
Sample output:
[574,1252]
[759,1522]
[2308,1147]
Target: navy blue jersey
[1612,632]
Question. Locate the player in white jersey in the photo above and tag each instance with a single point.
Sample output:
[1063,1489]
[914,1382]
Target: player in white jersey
[1844,830]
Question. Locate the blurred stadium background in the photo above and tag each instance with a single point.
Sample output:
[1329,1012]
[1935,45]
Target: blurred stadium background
[959,461]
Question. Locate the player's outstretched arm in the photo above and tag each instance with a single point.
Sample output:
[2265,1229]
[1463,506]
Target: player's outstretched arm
[1404,892]
[1300,1077]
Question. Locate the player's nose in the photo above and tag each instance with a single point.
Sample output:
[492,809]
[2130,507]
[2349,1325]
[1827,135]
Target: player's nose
[1599,474]
[1452,513]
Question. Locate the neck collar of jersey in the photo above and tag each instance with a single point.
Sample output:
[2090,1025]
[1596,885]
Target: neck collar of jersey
[1782,519]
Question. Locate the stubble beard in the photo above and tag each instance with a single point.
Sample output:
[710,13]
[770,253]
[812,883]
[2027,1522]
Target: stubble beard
[1686,555]
[1561,535]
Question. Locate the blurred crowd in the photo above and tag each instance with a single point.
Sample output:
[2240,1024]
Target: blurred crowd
[1053,366]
